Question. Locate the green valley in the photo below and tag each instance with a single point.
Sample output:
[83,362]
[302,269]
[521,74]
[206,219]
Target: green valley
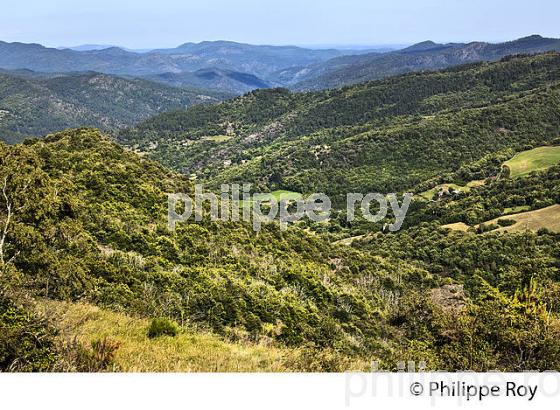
[384,136]
[92,279]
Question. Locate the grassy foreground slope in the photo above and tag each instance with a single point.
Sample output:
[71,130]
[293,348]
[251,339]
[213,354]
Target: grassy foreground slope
[190,351]
[381,136]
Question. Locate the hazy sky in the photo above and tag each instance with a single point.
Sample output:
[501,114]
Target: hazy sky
[167,23]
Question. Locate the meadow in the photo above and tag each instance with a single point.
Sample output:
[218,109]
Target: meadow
[537,159]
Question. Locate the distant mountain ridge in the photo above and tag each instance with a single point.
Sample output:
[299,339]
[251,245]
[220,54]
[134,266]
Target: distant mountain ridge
[239,68]
[424,56]
[189,57]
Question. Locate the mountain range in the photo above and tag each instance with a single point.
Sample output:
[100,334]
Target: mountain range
[236,67]
[46,89]
[256,60]
[425,56]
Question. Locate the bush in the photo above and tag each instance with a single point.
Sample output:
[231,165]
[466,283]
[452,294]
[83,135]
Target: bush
[162,327]
[100,357]
[27,341]
[506,222]
[482,228]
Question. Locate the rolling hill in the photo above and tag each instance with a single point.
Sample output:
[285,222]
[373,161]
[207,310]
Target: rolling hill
[94,229]
[212,79]
[33,104]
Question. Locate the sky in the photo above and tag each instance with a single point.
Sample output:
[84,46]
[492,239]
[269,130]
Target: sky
[144,24]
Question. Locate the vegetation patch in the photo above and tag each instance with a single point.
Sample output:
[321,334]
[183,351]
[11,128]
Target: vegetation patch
[162,327]
[458,226]
[537,159]
[190,351]
[546,218]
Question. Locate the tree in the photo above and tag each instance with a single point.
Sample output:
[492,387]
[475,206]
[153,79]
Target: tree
[22,186]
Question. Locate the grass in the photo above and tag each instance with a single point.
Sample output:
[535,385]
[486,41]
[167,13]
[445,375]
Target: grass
[516,209]
[279,195]
[476,183]
[548,218]
[217,138]
[190,351]
[429,195]
[459,226]
[537,159]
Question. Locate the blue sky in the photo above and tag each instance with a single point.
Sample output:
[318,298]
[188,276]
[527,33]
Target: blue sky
[167,23]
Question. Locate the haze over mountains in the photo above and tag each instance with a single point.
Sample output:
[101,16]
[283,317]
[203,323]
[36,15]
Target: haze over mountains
[256,60]
[419,57]
[271,66]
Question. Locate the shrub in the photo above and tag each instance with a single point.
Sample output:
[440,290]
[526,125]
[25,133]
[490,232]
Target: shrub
[100,357]
[482,228]
[27,340]
[506,222]
[162,327]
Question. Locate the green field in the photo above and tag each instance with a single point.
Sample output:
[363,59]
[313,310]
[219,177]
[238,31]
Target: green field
[516,209]
[217,138]
[278,195]
[537,159]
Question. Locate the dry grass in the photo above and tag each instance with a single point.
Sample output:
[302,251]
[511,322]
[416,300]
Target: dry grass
[459,226]
[548,218]
[188,352]
[476,183]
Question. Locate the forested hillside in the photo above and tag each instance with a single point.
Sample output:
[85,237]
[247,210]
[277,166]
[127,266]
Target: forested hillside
[33,104]
[382,136]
